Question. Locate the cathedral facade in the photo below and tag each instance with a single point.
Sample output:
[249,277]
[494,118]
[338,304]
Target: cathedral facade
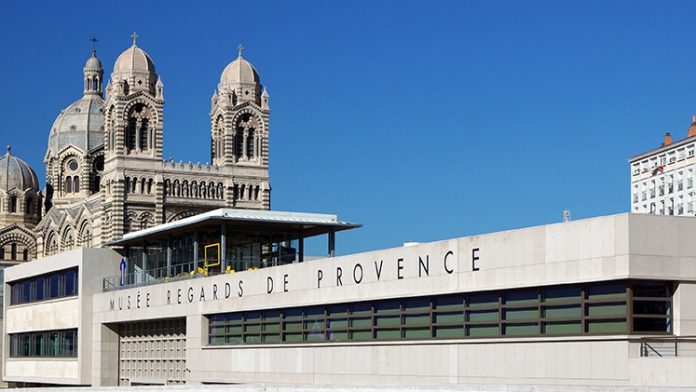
[105,175]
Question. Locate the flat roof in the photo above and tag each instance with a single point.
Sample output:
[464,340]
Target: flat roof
[662,148]
[300,223]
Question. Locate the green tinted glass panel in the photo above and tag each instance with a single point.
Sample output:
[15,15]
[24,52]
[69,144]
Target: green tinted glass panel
[362,323]
[570,311]
[521,314]
[236,329]
[487,315]
[448,303]
[483,300]
[388,334]
[338,324]
[483,330]
[271,338]
[338,336]
[441,318]
[606,310]
[253,328]
[414,320]
[563,328]
[293,337]
[449,332]
[273,315]
[237,339]
[607,292]
[387,320]
[294,326]
[417,333]
[417,305]
[314,325]
[252,339]
[272,327]
[217,340]
[315,336]
[606,326]
[361,335]
[521,329]
[562,294]
[217,330]
[527,297]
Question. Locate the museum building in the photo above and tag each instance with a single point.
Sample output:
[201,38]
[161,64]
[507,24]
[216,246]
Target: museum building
[227,297]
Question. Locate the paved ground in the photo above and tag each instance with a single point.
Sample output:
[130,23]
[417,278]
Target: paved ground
[338,388]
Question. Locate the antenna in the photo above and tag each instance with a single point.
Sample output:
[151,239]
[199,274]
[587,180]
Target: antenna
[566,215]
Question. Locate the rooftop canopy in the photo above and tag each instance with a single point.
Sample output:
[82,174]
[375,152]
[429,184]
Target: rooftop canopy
[292,224]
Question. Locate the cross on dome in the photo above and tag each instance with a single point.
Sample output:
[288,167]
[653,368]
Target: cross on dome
[135,38]
[240,49]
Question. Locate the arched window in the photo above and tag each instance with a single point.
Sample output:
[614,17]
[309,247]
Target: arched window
[142,185]
[239,143]
[76,184]
[2,252]
[13,251]
[144,135]
[13,204]
[241,192]
[25,254]
[126,184]
[68,184]
[130,134]
[256,193]
[27,207]
[250,143]
[149,186]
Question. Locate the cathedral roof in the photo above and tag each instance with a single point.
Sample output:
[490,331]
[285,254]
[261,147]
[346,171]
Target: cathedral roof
[15,173]
[134,59]
[93,63]
[81,125]
[239,71]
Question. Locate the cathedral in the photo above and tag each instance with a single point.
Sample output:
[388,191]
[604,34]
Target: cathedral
[105,175]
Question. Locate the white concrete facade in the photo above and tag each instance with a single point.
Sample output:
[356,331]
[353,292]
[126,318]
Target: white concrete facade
[613,248]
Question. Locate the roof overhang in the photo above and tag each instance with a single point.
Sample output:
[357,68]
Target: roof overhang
[298,224]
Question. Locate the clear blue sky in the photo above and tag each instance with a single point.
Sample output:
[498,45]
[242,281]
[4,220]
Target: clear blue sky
[421,120]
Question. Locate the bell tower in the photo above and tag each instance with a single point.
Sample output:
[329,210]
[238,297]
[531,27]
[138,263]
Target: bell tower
[133,138]
[239,133]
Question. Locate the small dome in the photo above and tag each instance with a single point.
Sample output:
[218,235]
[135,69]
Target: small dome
[134,59]
[239,71]
[81,124]
[93,63]
[15,173]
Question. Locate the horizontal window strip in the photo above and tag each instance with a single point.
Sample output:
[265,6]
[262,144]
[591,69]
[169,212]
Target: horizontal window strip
[590,309]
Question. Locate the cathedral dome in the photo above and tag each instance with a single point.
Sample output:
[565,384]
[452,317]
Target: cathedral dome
[81,125]
[15,173]
[93,63]
[238,71]
[134,59]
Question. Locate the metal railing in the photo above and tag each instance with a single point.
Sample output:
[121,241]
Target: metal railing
[184,271]
[668,346]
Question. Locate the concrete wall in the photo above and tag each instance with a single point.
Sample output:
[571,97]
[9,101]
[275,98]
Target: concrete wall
[55,314]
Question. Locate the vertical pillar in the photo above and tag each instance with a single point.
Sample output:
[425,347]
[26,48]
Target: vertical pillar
[332,243]
[223,246]
[169,256]
[195,252]
[144,272]
[300,249]
[280,253]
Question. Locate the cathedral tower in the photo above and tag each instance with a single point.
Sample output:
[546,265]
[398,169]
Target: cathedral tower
[133,140]
[74,158]
[239,133]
